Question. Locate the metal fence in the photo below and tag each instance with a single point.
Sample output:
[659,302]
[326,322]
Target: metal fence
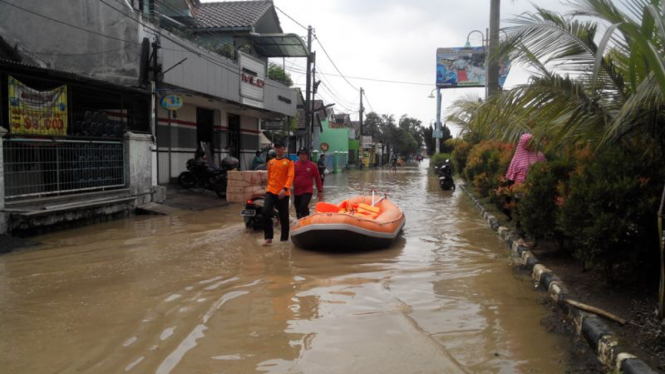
[41,167]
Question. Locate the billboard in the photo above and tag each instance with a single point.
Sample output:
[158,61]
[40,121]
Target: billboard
[37,112]
[465,67]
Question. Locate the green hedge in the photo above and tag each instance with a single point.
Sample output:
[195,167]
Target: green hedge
[601,206]
[487,164]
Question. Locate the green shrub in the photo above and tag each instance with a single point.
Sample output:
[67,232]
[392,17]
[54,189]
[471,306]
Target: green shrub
[539,206]
[459,156]
[487,164]
[609,210]
[438,159]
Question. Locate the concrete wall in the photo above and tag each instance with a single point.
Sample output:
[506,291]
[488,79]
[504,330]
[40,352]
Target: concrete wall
[337,139]
[66,48]
[203,71]
[279,98]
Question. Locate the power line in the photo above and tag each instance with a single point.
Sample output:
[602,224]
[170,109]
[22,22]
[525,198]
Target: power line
[289,17]
[347,104]
[333,63]
[77,54]
[365,78]
[368,103]
[68,24]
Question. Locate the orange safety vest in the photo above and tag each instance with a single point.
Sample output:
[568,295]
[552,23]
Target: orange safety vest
[280,175]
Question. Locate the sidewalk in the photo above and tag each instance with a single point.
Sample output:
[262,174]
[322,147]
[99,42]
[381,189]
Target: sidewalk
[178,198]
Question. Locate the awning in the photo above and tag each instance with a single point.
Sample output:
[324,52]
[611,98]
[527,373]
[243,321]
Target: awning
[279,45]
[264,141]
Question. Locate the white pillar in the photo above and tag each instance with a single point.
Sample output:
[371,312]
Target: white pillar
[139,166]
[438,120]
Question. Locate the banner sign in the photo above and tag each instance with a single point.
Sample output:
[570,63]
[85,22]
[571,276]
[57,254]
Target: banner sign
[172,102]
[367,141]
[465,67]
[460,67]
[37,112]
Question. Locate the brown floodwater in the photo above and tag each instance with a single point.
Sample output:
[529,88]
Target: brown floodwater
[195,293]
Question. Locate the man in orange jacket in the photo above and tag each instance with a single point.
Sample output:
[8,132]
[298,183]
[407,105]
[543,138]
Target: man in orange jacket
[280,180]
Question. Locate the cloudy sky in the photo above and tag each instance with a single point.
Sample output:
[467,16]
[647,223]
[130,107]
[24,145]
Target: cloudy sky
[392,40]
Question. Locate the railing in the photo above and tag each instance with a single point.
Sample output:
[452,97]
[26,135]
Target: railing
[42,167]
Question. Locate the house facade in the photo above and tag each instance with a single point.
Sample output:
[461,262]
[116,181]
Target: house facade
[147,45]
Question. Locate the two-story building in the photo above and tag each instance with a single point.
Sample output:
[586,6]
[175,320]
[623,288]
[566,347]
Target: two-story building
[209,57]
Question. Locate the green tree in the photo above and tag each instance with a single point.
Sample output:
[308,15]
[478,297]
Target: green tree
[276,73]
[428,138]
[602,90]
[414,128]
[373,125]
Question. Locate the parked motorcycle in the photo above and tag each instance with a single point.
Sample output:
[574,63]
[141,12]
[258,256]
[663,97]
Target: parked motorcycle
[200,174]
[445,173]
[253,214]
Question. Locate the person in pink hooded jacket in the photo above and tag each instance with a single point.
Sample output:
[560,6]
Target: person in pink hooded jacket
[524,157]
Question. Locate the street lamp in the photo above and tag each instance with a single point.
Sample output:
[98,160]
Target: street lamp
[431,94]
[483,39]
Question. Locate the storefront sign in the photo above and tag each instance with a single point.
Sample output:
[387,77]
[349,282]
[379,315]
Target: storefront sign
[367,141]
[171,102]
[273,125]
[284,99]
[37,112]
[252,80]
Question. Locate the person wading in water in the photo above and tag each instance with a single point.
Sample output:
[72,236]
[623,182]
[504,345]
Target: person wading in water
[280,180]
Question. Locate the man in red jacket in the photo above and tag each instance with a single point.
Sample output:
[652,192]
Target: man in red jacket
[306,174]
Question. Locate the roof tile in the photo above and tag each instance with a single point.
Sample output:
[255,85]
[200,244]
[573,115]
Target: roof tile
[231,13]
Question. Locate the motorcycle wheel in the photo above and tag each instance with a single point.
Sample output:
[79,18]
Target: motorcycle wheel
[220,187]
[249,222]
[187,179]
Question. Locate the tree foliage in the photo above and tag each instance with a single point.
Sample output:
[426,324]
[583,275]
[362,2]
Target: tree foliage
[277,73]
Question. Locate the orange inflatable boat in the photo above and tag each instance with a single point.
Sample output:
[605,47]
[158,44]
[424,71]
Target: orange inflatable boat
[355,224]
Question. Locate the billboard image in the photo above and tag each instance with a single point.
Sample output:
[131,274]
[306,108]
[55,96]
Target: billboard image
[465,67]
[37,112]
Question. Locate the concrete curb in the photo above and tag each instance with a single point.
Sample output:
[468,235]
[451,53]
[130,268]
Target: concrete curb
[593,329]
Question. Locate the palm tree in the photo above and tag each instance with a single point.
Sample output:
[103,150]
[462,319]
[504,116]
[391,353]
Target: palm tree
[588,87]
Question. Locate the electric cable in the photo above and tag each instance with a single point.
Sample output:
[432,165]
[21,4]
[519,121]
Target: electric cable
[291,18]
[333,62]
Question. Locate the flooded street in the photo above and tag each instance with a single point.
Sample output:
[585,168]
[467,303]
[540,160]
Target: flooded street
[195,293]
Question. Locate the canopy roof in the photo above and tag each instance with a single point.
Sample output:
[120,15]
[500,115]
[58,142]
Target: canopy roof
[278,45]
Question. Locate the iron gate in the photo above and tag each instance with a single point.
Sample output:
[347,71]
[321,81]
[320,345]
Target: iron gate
[41,167]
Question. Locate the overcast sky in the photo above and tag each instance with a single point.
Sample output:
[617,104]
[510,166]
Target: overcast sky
[393,40]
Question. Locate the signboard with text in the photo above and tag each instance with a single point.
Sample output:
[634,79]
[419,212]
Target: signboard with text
[35,112]
[252,80]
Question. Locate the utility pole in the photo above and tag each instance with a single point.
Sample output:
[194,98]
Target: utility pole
[361,122]
[362,110]
[308,88]
[493,66]
[437,127]
[315,86]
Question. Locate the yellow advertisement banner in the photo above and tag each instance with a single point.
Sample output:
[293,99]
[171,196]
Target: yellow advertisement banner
[36,112]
